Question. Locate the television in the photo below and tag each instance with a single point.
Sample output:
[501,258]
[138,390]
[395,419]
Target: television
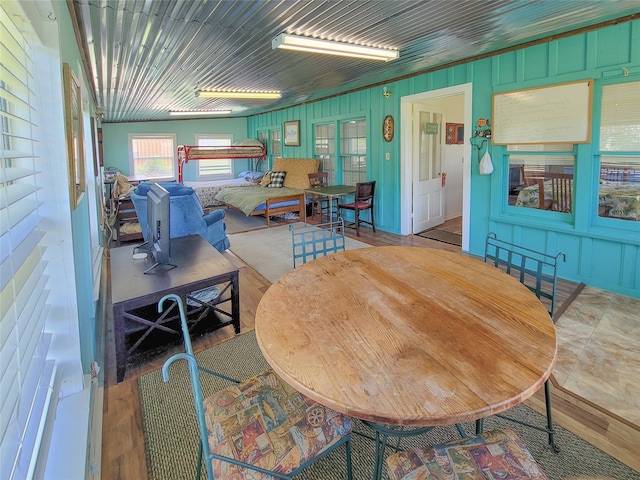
[158,238]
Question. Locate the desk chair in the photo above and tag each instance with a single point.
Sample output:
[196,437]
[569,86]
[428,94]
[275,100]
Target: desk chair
[495,454]
[312,241]
[539,273]
[259,428]
[320,204]
[363,200]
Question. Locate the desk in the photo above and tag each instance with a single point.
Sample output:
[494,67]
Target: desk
[199,265]
[331,192]
[406,335]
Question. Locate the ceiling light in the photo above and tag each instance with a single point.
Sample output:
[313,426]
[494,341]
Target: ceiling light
[316,45]
[238,94]
[199,112]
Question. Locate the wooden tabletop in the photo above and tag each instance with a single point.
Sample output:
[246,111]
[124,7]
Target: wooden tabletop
[406,335]
[332,190]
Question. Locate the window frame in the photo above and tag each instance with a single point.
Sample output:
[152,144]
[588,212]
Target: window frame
[174,163]
[620,224]
[228,161]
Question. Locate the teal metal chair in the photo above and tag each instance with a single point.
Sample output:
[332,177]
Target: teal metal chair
[539,273]
[259,428]
[495,454]
[312,241]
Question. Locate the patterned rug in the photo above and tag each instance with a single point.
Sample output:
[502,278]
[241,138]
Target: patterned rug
[171,432]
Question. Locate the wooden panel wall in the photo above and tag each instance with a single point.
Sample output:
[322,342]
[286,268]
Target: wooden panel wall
[601,252]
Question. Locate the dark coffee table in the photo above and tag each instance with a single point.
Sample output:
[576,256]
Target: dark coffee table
[198,266]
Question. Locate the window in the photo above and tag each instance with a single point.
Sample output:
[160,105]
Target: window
[541,176]
[218,168]
[275,145]
[31,291]
[353,151]
[324,149]
[153,156]
[619,150]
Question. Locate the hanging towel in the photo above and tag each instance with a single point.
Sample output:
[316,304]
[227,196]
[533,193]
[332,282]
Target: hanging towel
[486,165]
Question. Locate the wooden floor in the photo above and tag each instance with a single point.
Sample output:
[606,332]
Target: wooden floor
[123,454]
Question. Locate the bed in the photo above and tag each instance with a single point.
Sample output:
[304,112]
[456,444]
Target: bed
[207,191]
[270,200]
[249,149]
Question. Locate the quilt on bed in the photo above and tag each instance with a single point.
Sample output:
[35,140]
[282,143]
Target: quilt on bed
[247,199]
[207,191]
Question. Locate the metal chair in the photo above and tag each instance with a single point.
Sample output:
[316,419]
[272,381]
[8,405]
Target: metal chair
[539,273]
[259,428]
[363,200]
[310,242]
[495,454]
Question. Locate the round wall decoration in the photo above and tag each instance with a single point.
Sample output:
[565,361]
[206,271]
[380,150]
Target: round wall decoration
[387,128]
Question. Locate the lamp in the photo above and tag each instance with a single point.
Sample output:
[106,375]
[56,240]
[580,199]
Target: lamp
[198,112]
[316,45]
[238,94]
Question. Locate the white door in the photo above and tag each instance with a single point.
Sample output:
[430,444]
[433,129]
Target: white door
[428,198]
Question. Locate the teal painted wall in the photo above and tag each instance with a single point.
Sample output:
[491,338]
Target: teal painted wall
[115,138]
[602,252]
[70,54]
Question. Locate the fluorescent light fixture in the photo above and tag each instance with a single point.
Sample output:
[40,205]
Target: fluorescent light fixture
[198,112]
[316,45]
[238,94]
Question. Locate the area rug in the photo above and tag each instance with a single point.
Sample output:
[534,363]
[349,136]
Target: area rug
[268,251]
[171,432]
[442,236]
[236,221]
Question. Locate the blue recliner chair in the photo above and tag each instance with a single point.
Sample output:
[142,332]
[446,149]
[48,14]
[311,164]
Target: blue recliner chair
[186,214]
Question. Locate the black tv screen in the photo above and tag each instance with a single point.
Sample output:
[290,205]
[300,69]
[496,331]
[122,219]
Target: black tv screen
[158,231]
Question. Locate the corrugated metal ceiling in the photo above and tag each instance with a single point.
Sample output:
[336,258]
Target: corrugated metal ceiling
[151,56]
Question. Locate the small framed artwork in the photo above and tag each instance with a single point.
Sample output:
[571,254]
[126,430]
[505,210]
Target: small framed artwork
[74,135]
[455,134]
[292,133]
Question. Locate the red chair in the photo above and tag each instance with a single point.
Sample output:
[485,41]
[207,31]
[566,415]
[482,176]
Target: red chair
[363,201]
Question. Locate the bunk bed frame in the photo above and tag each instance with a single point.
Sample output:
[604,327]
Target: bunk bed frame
[254,152]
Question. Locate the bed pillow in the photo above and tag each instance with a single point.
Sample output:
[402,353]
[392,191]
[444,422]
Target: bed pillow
[254,176]
[243,173]
[277,179]
[266,179]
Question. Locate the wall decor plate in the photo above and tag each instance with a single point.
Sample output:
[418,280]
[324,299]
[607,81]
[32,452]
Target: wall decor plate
[387,128]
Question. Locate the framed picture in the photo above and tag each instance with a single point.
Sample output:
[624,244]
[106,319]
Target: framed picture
[455,134]
[73,135]
[292,133]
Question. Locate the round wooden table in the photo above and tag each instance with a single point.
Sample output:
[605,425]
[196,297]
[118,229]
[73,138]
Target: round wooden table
[406,335]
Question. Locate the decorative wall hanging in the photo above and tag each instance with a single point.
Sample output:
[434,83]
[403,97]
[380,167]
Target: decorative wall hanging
[454,134]
[387,128]
[292,133]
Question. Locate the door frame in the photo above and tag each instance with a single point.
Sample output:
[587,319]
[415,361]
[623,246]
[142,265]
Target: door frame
[406,155]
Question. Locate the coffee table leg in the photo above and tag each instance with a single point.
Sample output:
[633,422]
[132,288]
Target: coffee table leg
[235,302]
[120,342]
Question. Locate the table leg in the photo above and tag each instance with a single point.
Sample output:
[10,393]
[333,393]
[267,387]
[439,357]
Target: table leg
[383,432]
[235,302]
[120,342]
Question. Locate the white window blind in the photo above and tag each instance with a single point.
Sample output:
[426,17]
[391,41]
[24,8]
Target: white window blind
[620,117]
[25,373]
[220,168]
